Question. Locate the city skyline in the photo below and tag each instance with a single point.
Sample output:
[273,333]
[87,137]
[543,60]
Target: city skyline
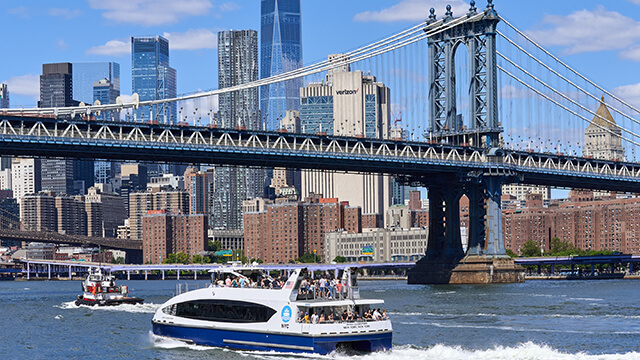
[567,29]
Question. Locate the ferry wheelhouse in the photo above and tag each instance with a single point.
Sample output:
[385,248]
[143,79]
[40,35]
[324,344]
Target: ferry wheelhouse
[100,289]
[246,309]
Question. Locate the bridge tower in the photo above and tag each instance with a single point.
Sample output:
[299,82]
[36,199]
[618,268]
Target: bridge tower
[485,260]
[479,36]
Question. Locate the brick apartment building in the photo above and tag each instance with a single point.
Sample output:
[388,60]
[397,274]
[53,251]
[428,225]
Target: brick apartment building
[286,230]
[589,223]
[165,233]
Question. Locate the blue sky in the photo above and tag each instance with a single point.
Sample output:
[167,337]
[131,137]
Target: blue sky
[599,38]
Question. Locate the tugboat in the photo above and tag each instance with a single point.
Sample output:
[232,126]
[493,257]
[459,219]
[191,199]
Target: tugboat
[243,311]
[100,289]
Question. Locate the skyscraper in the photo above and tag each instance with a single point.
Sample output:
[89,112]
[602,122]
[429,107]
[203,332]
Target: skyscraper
[25,177]
[56,85]
[603,137]
[85,74]
[237,64]
[4,96]
[153,78]
[195,183]
[281,51]
[105,92]
[5,162]
[107,77]
[57,176]
[348,103]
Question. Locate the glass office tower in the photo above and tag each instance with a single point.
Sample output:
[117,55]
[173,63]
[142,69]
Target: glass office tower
[280,51]
[152,78]
[85,74]
[237,64]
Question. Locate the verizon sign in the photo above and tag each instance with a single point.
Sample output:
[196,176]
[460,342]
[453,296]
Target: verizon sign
[347,92]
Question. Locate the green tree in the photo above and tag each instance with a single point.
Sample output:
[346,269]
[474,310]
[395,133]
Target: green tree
[178,258]
[530,248]
[340,259]
[214,245]
[511,253]
[118,260]
[200,259]
[308,258]
[563,248]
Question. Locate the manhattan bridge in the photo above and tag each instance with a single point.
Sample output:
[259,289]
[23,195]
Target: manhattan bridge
[475,104]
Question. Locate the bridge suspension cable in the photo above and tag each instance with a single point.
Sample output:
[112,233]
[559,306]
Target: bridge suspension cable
[568,67]
[571,82]
[568,99]
[540,93]
[404,38]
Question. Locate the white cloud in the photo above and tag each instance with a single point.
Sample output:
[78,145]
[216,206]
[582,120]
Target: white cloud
[637,2]
[28,85]
[111,48]
[629,93]
[632,53]
[587,31]
[192,39]
[229,6]
[20,10]
[200,109]
[66,13]
[150,12]
[62,45]
[413,10]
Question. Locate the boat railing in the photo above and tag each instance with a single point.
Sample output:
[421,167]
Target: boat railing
[183,288]
[331,292]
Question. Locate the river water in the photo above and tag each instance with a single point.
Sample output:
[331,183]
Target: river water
[597,319]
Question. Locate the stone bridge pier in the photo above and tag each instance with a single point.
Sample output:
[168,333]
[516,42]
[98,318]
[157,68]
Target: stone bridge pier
[485,259]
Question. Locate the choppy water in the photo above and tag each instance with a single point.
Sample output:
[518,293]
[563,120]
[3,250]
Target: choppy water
[535,320]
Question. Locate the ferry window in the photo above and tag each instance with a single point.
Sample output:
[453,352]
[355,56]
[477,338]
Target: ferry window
[224,311]
[169,310]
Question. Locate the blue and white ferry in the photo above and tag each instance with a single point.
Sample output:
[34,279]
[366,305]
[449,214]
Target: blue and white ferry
[246,309]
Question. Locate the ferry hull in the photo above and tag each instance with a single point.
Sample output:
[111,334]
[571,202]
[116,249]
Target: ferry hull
[109,302]
[246,340]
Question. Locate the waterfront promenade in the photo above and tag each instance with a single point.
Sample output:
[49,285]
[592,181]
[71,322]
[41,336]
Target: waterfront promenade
[550,268]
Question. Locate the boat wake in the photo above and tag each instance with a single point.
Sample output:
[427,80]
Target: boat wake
[166,343]
[146,308]
[524,351]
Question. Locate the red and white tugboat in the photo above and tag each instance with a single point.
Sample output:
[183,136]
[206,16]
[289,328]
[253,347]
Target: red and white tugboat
[100,289]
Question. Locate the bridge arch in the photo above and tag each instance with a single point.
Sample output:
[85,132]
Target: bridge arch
[479,37]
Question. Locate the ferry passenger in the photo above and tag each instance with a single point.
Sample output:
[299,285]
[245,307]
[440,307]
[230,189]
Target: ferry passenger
[314,318]
[345,316]
[234,282]
[384,314]
[228,281]
[330,317]
[306,318]
[350,316]
[322,318]
[304,287]
[323,286]
[332,286]
[242,282]
[367,315]
[376,315]
[339,288]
